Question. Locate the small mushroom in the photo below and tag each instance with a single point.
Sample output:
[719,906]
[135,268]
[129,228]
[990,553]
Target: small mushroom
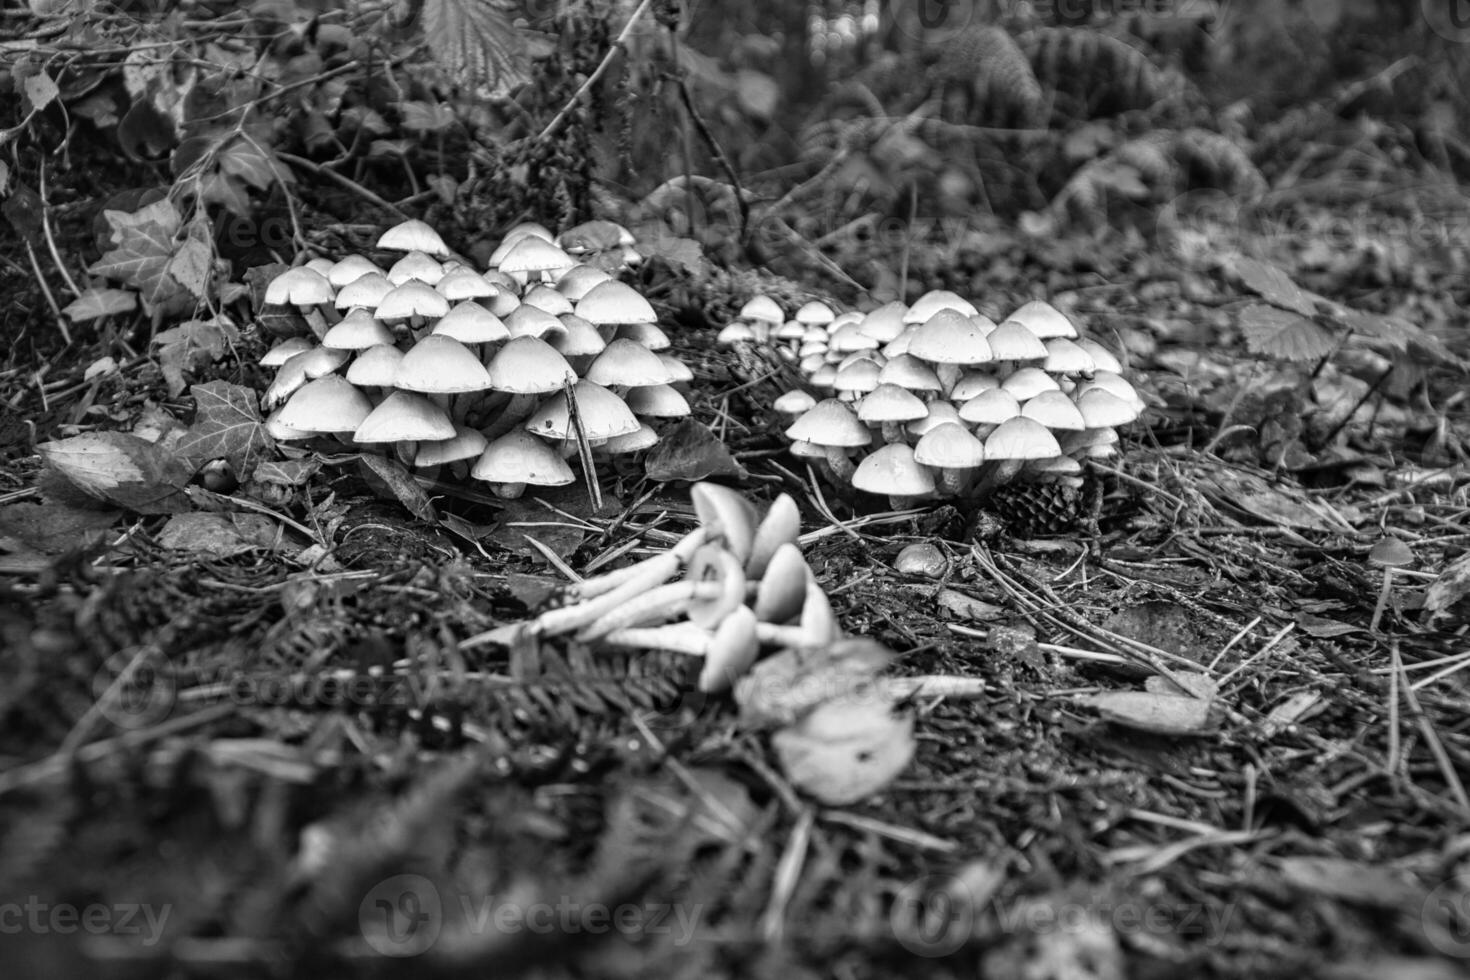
[1388,554]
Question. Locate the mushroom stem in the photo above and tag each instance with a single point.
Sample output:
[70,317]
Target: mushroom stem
[952,480]
[653,573]
[516,411]
[1383,596]
[995,474]
[507,491]
[893,432]
[667,563]
[685,638]
[315,320]
[654,606]
[842,465]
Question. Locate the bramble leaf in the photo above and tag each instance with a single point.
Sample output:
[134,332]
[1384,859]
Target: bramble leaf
[476,43]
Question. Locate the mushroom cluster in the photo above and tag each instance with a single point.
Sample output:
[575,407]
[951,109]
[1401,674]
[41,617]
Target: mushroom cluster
[745,587]
[938,400]
[447,365]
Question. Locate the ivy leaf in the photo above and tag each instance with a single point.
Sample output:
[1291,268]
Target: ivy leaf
[192,265]
[253,164]
[227,426]
[119,468]
[189,347]
[1282,333]
[476,44]
[144,246]
[95,303]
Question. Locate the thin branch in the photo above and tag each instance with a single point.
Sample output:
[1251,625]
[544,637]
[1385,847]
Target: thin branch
[592,79]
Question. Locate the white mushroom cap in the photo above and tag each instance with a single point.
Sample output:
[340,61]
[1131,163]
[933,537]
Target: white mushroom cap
[657,401]
[579,279]
[972,383]
[949,445]
[464,283]
[284,351]
[613,302]
[413,235]
[531,253]
[299,287]
[934,301]
[1028,382]
[678,371]
[762,307]
[471,323]
[531,321]
[990,407]
[405,417]
[367,291]
[642,438]
[647,334]
[603,414]
[1043,320]
[1100,407]
[579,337]
[415,265]
[890,403]
[814,312]
[940,413]
[544,297]
[1102,358]
[1013,342]
[375,367]
[519,457]
[358,330]
[441,365]
[1021,438]
[735,332]
[328,404]
[628,363]
[949,337]
[528,365]
[793,402]
[466,443]
[885,323]
[412,298]
[1065,357]
[892,470]
[830,423]
[350,269]
[1053,410]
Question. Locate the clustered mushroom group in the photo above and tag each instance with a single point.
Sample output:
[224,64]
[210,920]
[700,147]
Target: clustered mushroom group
[444,365]
[745,586]
[938,400]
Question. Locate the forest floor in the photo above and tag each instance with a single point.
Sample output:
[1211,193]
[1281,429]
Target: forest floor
[273,742]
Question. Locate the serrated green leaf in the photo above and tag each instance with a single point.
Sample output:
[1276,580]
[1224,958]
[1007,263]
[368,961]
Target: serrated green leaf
[227,426]
[192,264]
[477,45]
[1274,286]
[95,303]
[1281,333]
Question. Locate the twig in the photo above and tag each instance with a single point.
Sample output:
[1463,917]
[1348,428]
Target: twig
[601,69]
[50,299]
[346,182]
[50,240]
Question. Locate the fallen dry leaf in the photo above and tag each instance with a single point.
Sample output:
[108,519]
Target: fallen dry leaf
[120,469]
[845,750]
